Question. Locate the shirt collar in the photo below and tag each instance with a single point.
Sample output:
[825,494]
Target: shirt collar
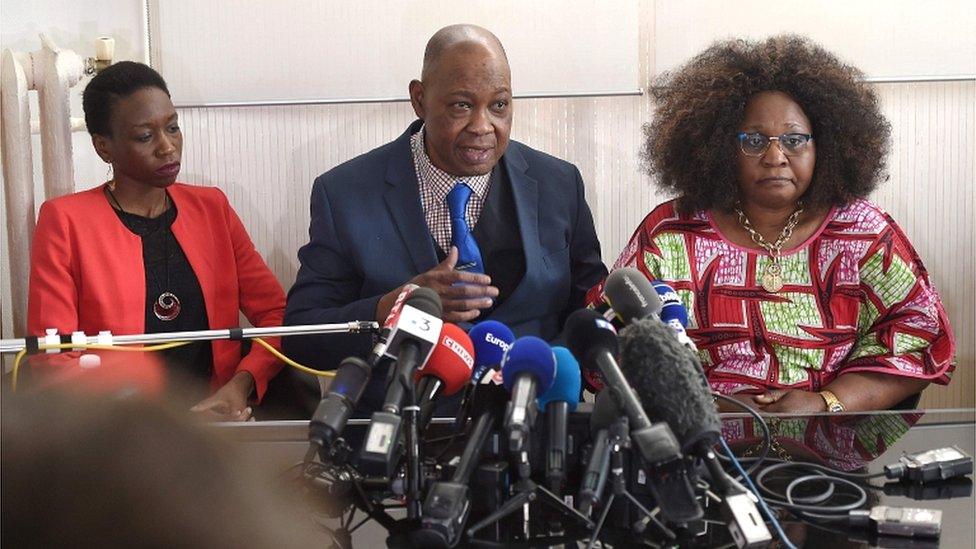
[438,179]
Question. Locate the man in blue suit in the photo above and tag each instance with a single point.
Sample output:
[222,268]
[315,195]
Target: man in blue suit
[497,229]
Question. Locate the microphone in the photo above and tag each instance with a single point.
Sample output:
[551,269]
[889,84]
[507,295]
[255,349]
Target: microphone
[592,338]
[656,364]
[673,313]
[630,296]
[389,325]
[561,399]
[446,371]
[447,506]
[529,366]
[491,340]
[334,410]
[627,296]
[412,339]
[594,478]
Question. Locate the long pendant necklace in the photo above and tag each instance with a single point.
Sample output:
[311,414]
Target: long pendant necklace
[166,307]
[772,278]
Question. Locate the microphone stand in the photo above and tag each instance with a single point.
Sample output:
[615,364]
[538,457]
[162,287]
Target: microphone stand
[527,491]
[620,441]
[414,470]
[40,343]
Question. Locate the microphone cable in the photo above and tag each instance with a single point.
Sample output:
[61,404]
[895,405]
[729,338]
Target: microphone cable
[155,348]
[762,502]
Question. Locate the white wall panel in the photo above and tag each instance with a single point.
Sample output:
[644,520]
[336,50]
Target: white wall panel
[265,158]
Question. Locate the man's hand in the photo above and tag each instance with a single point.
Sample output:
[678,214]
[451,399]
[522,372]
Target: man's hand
[229,403]
[463,294]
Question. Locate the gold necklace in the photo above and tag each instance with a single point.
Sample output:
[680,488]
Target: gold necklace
[772,278]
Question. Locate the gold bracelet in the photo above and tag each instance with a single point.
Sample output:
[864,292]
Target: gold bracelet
[834,405]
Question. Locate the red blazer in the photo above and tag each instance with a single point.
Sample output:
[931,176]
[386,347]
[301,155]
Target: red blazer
[87,274]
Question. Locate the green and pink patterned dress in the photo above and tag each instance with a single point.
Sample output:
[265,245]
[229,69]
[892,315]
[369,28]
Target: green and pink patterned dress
[856,298]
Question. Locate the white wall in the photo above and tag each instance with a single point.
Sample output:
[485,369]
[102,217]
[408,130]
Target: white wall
[74,25]
[265,157]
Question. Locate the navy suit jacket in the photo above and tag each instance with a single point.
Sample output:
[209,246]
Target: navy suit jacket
[368,235]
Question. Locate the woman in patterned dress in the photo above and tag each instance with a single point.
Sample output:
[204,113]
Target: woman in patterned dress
[802,295]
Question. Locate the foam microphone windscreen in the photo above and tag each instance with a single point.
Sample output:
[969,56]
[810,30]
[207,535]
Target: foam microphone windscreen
[566,386]
[631,295]
[491,339]
[426,300]
[530,355]
[668,381]
[451,360]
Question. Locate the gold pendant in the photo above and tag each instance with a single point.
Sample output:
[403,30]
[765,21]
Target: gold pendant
[772,279]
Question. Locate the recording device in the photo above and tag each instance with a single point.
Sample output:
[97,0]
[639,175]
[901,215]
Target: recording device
[491,339]
[412,339]
[673,313]
[334,410]
[561,399]
[446,371]
[939,464]
[389,325]
[528,367]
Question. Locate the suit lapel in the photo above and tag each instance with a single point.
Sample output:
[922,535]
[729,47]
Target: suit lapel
[525,193]
[191,239]
[403,202]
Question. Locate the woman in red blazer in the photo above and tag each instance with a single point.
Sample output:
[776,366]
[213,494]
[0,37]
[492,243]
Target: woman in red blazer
[144,254]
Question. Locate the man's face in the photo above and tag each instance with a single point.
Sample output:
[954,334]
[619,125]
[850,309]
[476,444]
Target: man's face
[466,104]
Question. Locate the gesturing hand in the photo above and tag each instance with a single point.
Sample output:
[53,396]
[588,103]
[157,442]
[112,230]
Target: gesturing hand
[463,294]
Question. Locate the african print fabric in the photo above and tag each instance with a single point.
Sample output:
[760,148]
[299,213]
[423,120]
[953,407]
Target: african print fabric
[856,298]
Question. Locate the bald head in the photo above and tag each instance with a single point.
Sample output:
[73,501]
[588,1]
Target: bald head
[464,98]
[449,37]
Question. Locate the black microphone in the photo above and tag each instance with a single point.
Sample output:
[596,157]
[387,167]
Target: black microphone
[411,341]
[594,478]
[448,503]
[593,337]
[334,410]
[629,296]
[593,340]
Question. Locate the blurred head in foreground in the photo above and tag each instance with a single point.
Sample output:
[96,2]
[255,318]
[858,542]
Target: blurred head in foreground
[125,473]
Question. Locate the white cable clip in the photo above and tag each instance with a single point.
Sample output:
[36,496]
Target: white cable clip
[79,340]
[104,337]
[52,339]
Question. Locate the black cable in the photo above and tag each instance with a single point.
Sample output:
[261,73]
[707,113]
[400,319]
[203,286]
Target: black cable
[786,500]
[767,437]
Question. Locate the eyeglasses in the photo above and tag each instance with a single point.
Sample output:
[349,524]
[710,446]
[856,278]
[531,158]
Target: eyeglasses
[756,144]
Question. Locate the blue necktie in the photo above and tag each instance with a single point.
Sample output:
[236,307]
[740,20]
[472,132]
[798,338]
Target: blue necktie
[469,256]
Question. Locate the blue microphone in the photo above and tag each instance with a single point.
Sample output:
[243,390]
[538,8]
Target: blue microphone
[561,399]
[528,367]
[673,313]
[491,339]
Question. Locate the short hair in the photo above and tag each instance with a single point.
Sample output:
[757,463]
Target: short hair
[690,143]
[119,80]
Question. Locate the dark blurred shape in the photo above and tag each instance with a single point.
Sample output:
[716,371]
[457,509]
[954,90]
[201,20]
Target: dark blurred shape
[82,472]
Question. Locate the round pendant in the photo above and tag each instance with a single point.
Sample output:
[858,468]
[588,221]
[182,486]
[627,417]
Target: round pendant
[772,279]
[167,307]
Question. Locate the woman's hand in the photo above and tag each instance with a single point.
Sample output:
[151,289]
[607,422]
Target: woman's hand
[229,403]
[791,401]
